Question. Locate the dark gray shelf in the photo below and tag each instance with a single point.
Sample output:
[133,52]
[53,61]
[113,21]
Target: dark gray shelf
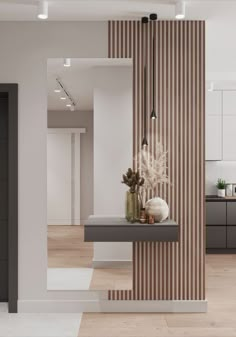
[119,230]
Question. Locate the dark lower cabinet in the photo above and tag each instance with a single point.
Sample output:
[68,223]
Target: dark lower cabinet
[231,236]
[216,213]
[221,226]
[216,236]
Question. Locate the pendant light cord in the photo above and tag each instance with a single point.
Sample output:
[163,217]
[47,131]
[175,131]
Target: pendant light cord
[153,66]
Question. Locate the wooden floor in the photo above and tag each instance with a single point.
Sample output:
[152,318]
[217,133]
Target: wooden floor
[220,321]
[67,249]
[113,279]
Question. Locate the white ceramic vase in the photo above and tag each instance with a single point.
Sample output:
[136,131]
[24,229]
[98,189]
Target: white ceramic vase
[221,193]
[158,208]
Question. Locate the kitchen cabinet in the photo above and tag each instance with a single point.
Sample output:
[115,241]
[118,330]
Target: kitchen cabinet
[221,226]
[231,236]
[216,236]
[229,103]
[231,213]
[229,138]
[214,103]
[213,137]
[213,143]
[220,125]
[216,213]
[229,123]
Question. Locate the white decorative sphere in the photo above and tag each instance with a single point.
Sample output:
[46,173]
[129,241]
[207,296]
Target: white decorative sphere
[158,208]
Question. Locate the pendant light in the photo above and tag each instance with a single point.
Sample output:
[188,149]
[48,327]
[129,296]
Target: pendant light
[153,17]
[144,141]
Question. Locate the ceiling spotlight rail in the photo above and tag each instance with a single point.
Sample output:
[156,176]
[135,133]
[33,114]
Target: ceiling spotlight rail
[72,104]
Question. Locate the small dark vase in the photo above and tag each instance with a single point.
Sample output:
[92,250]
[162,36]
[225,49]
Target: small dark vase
[143,217]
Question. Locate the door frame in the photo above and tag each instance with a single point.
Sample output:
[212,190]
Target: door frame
[12,91]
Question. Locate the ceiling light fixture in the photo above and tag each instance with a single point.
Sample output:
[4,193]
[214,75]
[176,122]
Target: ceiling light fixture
[211,87]
[57,89]
[67,62]
[180,10]
[42,10]
[71,103]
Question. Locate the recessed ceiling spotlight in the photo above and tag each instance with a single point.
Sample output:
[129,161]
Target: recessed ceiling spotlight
[211,87]
[67,62]
[68,105]
[63,98]
[180,10]
[42,10]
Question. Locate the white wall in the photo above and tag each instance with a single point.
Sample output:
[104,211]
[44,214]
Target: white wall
[113,133]
[25,48]
[219,169]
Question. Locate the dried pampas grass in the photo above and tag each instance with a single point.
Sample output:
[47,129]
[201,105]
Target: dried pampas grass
[152,168]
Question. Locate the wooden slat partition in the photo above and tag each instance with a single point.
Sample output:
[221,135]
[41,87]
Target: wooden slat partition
[170,271]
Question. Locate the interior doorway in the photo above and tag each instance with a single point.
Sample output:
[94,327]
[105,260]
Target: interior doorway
[9,195]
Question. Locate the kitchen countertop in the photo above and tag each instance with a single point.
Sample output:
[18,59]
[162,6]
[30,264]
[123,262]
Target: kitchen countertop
[216,198]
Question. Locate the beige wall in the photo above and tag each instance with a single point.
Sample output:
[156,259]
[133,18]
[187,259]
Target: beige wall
[80,119]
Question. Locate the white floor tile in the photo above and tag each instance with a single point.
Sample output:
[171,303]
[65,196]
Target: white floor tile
[69,278]
[3,307]
[39,325]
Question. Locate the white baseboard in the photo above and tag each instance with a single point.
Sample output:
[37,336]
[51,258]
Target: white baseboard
[114,264]
[73,306]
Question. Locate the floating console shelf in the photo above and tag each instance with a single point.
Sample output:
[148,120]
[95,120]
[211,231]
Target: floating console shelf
[120,230]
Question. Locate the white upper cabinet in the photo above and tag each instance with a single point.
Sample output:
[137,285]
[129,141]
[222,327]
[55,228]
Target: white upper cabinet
[214,103]
[213,142]
[213,137]
[229,103]
[229,139]
[229,125]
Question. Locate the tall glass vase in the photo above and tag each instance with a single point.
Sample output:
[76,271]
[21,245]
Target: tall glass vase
[132,206]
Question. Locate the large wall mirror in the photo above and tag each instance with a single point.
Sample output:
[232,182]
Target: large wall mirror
[90,127]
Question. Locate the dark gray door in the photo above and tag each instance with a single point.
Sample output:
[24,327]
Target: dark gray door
[3,197]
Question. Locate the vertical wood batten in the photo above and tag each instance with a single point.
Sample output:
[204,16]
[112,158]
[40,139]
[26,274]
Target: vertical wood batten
[170,270]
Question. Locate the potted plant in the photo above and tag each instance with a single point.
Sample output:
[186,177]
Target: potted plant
[221,188]
[134,181]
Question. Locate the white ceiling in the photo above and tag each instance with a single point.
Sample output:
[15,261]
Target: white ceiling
[85,10]
[78,80]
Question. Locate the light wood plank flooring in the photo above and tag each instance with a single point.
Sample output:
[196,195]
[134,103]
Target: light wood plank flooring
[67,249]
[113,279]
[220,321]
